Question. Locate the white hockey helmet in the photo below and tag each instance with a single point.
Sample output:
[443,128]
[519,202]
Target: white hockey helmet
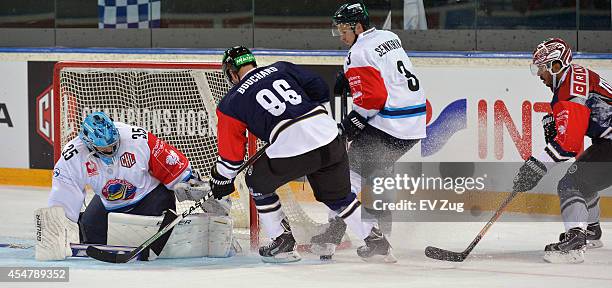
[551,51]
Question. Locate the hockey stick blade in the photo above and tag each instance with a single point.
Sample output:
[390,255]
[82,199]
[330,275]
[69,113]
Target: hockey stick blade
[110,257]
[441,254]
[15,246]
[445,255]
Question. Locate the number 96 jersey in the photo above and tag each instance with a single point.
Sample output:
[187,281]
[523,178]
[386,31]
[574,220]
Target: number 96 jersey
[386,90]
[142,162]
[279,104]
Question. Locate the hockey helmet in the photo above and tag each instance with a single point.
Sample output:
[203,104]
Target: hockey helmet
[234,58]
[551,51]
[100,135]
[351,13]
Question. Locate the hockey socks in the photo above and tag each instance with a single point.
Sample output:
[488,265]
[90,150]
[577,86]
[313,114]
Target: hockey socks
[376,243]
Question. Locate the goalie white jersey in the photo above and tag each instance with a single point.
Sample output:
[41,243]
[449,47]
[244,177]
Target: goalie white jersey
[384,85]
[142,162]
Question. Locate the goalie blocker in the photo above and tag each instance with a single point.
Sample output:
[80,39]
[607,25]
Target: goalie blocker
[200,235]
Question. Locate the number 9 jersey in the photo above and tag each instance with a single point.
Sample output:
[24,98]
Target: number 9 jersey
[280,104]
[385,88]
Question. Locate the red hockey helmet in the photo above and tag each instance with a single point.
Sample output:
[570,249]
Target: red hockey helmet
[550,51]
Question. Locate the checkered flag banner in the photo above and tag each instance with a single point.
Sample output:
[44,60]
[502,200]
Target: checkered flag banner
[122,14]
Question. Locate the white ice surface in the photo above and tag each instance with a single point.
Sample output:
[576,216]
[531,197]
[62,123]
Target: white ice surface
[510,255]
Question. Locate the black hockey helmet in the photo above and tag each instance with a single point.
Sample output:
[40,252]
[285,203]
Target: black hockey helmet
[234,58]
[352,13]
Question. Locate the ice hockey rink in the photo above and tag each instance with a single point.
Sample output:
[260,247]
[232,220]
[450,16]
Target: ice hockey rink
[510,255]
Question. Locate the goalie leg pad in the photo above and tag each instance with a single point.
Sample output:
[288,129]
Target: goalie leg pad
[54,233]
[199,235]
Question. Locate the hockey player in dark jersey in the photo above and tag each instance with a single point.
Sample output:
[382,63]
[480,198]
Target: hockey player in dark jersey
[282,105]
[581,106]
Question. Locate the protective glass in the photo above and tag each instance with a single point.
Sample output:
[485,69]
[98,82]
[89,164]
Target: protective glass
[339,29]
[538,69]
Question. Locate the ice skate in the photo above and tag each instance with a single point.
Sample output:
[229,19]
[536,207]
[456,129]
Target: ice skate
[282,249]
[593,236]
[325,243]
[569,250]
[376,248]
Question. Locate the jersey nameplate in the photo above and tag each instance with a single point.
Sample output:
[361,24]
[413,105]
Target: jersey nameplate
[579,86]
[387,46]
[256,77]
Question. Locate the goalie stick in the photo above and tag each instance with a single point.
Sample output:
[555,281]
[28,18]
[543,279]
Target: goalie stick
[446,255]
[16,245]
[78,250]
[110,257]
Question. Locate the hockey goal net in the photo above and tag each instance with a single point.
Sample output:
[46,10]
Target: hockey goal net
[174,101]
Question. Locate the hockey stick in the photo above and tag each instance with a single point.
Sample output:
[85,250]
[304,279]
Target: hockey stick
[441,254]
[78,250]
[15,245]
[344,105]
[107,256]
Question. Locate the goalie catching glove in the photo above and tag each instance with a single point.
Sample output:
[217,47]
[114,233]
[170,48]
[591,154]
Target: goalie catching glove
[193,189]
[529,175]
[352,125]
[221,186]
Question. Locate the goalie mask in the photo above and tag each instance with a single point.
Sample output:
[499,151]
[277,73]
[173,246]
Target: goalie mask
[349,15]
[100,135]
[234,58]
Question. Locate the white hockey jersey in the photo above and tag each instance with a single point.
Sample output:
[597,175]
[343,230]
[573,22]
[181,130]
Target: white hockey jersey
[385,88]
[141,163]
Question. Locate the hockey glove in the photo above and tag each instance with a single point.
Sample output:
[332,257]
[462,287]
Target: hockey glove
[529,175]
[342,84]
[550,131]
[352,125]
[193,189]
[220,185]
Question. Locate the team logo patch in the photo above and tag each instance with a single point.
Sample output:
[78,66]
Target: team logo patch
[56,172]
[172,158]
[562,129]
[92,168]
[118,189]
[128,160]
[572,169]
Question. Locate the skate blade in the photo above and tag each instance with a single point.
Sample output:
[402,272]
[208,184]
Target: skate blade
[286,257]
[592,244]
[389,258]
[572,256]
[323,249]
